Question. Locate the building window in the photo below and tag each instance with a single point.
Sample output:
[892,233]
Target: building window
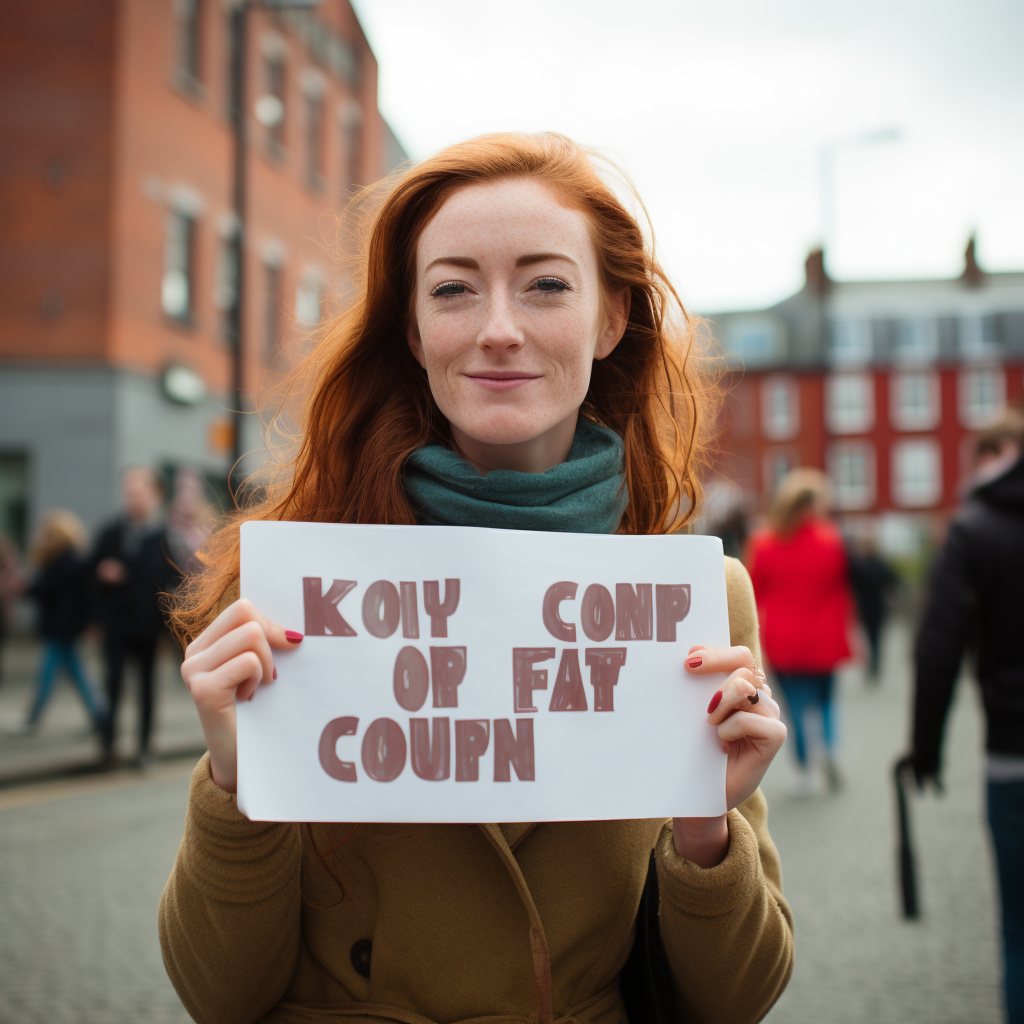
[188,14]
[350,119]
[270,108]
[14,498]
[978,337]
[850,403]
[982,396]
[916,473]
[851,342]
[914,402]
[780,408]
[917,341]
[315,142]
[309,299]
[777,463]
[756,342]
[851,469]
[176,285]
[225,285]
[271,308]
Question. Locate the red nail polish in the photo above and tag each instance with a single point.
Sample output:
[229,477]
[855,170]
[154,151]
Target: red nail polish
[274,676]
[292,637]
[695,662]
[715,701]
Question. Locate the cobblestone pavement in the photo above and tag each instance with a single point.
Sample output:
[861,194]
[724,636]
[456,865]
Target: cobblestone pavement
[83,861]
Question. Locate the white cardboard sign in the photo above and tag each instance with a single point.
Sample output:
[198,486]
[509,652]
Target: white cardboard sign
[454,674]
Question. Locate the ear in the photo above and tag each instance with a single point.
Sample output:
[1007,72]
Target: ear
[616,317]
[412,336]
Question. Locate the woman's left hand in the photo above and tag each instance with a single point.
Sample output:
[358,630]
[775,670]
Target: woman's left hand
[751,733]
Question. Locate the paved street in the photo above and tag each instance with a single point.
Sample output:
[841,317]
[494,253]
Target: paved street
[82,863]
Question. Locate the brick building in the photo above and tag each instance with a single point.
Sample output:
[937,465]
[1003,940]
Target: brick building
[118,227]
[880,383]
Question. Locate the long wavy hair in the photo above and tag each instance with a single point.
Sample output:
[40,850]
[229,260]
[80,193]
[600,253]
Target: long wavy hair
[367,405]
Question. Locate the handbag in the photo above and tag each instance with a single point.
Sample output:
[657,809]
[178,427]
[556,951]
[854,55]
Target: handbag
[646,980]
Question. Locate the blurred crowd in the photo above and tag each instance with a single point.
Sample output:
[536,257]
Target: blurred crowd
[812,584]
[113,586]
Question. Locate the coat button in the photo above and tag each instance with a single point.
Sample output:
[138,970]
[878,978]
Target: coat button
[361,957]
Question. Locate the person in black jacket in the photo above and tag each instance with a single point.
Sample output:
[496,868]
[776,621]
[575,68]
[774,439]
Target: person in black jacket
[59,587]
[132,570]
[872,580]
[976,600]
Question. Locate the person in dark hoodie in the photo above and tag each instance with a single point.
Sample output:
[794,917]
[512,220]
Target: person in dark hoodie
[976,601]
[132,570]
[59,588]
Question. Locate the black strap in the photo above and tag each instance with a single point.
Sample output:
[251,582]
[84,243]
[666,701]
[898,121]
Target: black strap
[646,980]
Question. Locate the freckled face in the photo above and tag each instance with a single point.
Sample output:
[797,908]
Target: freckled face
[508,316]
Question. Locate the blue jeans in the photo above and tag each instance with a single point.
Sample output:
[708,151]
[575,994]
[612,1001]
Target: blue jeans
[803,692]
[59,654]
[1006,819]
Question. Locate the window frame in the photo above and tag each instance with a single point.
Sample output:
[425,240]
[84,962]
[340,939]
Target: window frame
[836,423]
[842,498]
[905,420]
[898,485]
[771,428]
[186,248]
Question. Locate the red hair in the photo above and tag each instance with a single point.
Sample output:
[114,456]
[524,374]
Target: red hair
[368,405]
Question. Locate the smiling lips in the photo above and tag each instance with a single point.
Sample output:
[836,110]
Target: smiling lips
[502,380]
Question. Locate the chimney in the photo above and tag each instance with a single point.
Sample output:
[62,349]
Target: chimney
[817,279]
[973,274]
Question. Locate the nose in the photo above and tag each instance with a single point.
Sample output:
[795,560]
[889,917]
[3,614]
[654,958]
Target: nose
[500,332]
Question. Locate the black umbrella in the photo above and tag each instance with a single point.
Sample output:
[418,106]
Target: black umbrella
[903,773]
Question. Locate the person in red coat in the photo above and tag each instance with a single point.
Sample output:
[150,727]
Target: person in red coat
[799,569]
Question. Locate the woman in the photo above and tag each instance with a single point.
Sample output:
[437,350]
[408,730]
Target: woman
[799,570]
[509,361]
[60,590]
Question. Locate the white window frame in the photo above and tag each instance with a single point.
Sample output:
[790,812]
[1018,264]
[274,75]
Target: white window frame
[769,477]
[308,285]
[972,414]
[844,416]
[926,346]
[976,335]
[773,426]
[920,418]
[910,493]
[851,342]
[847,497]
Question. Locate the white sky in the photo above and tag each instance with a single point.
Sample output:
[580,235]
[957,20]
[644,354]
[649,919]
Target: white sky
[718,110]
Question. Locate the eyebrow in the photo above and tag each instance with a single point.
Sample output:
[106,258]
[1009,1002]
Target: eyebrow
[524,261]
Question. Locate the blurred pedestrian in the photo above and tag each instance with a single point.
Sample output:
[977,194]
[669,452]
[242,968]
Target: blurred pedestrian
[976,600]
[873,580]
[190,521]
[60,589]
[799,569]
[132,570]
[11,584]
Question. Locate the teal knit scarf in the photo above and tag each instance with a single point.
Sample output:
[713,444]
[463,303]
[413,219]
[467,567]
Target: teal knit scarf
[585,494]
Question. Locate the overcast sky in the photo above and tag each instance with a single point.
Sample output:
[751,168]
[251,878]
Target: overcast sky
[719,111]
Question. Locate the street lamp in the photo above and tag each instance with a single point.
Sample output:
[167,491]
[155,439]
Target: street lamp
[268,110]
[827,172]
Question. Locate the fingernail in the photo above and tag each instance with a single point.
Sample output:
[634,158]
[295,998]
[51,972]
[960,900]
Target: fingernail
[695,662]
[754,697]
[274,676]
[292,637]
[715,701]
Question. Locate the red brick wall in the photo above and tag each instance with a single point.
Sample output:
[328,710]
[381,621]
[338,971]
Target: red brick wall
[56,132]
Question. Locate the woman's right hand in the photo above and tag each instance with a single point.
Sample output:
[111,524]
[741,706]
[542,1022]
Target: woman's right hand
[225,663]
